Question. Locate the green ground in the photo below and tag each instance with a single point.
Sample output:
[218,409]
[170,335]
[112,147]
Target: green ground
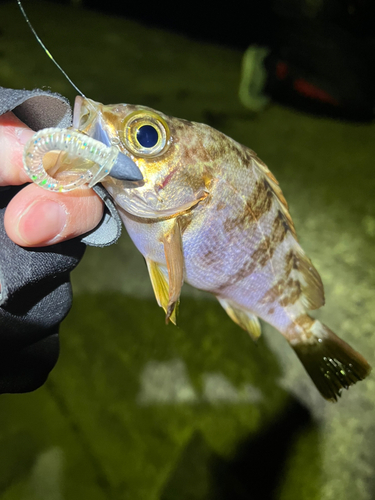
[139,410]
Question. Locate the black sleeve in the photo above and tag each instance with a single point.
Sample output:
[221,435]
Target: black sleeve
[35,297]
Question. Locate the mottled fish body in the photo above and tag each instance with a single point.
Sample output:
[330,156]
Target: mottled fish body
[210,213]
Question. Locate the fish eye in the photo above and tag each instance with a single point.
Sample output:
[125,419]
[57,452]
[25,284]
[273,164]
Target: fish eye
[146,133]
[147,136]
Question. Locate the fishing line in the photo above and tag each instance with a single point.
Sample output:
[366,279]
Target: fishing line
[46,50]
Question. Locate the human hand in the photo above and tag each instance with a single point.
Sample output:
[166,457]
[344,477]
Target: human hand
[36,217]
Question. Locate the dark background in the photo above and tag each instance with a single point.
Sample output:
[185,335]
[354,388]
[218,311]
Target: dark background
[239,24]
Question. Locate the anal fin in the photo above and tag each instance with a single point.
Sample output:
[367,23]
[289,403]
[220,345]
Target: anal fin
[245,319]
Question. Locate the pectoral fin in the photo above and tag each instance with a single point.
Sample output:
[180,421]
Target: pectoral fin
[167,282]
[159,281]
[175,264]
[245,319]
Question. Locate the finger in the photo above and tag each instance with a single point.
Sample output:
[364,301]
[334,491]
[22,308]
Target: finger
[13,136]
[36,217]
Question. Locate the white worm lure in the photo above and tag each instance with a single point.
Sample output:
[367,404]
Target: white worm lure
[78,146]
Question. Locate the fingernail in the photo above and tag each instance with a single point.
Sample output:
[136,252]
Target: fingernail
[24,135]
[42,222]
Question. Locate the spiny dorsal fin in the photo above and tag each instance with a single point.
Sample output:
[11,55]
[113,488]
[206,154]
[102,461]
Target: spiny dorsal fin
[245,319]
[272,181]
[306,284]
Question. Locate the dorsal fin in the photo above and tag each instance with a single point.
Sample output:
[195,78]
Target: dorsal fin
[307,285]
[310,282]
[272,181]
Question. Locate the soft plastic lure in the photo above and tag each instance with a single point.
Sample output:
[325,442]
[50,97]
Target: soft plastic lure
[84,160]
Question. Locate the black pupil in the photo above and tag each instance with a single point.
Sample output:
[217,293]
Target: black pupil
[147,136]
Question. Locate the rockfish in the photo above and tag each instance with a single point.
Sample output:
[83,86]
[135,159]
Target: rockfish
[210,212]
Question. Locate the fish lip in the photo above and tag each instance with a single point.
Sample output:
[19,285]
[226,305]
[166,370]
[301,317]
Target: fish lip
[126,184]
[77,111]
[139,206]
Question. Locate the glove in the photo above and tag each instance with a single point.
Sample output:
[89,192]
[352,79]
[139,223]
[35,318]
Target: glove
[35,289]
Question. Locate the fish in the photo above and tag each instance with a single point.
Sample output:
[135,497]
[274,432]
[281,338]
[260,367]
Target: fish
[210,213]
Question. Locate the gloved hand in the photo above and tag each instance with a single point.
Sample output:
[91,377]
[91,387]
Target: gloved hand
[35,291]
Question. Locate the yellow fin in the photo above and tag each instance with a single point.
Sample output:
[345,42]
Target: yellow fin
[245,319]
[167,280]
[175,264]
[158,275]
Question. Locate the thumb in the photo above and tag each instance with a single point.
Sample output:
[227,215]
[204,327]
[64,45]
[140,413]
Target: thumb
[36,217]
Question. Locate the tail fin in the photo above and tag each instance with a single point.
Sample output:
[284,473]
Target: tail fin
[331,363]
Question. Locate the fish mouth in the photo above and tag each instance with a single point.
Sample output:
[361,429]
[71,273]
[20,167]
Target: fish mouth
[77,111]
[136,204]
[124,168]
